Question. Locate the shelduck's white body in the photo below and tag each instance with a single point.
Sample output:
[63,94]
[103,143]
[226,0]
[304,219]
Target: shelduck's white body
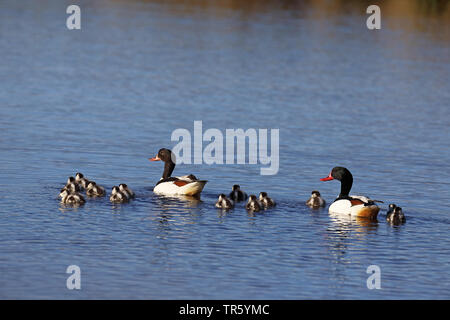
[356,206]
[182,186]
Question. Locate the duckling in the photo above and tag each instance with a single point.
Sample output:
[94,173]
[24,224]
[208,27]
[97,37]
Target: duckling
[94,190]
[83,183]
[395,215]
[117,196]
[71,180]
[265,200]
[72,198]
[237,194]
[391,208]
[71,187]
[224,202]
[316,201]
[81,180]
[78,176]
[253,204]
[127,191]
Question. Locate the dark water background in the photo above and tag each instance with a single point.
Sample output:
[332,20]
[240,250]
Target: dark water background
[103,99]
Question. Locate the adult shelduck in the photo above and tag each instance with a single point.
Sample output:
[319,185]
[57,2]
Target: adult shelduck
[358,206]
[184,185]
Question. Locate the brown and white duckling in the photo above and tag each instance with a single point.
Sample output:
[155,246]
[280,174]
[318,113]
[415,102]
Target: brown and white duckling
[224,202]
[126,190]
[72,198]
[117,196]
[253,204]
[265,200]
[237,194]
[395,215]
[71,188]
[81,180]
[71,180]
[94,190]
[316,201]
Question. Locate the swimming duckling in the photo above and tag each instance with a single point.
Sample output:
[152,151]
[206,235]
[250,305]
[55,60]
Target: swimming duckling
[117,196]
[253,204]
[71,187]
[224,202]
[72,198]
[81,180]
[78,176]
[390,209]
[316,201]
[71,180]
[265,200]
[237,194]
[395,215]
[94,190]
[125,190]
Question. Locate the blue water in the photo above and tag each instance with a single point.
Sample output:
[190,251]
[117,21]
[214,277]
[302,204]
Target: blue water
[103,99]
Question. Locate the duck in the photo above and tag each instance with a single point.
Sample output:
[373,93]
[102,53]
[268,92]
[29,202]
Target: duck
[236,194]
[316,201]
[265,200]
[253,204]
[224,202]
[358,206]
[117,196]
[126,190]
[72,198]
[187,185]
[81,180]
[395,215]
[94,190]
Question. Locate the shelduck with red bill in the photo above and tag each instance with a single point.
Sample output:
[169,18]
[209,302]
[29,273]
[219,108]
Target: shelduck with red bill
[358,206]
[185,185]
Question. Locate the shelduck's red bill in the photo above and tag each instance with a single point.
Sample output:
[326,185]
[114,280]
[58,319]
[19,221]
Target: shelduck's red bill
[327,178]
[154,159]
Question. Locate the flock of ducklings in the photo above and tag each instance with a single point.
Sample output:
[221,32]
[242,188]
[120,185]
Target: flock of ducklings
[394,215]
[71,193]
[254,204]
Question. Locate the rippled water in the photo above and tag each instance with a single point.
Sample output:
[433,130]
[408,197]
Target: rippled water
[103,99]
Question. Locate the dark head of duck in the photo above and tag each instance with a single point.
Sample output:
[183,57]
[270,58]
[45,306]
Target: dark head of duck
[345,177]
[169,160]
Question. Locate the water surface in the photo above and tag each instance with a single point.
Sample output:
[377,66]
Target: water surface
[103,99]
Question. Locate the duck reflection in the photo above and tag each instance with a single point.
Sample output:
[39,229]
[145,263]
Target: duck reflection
[360,225]
[174,212]
[342,233]
[177,201]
